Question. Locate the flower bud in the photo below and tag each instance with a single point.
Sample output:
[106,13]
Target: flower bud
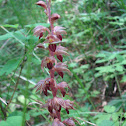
[54,17]
[42,4]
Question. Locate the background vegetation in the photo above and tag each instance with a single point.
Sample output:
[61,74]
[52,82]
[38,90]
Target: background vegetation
[96,41]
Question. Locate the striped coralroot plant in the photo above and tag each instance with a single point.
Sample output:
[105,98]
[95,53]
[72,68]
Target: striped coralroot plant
[54,39]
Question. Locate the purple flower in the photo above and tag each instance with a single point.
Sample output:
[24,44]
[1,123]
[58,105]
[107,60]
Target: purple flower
[38,30]
[60,68]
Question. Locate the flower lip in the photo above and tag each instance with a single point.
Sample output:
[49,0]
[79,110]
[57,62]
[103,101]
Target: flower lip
[50,65]
[52,47]
[60,57]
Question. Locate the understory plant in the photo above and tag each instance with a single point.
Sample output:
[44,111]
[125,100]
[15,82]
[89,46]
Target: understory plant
[53,39]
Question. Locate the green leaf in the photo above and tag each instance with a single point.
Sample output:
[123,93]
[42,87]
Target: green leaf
[101,117]
[124,124]
[109,109]
[119,68]
[106,123]
[12,121]
[11,26]
[123,62]
[105,69]
[120,58]
[19,113]
[95,93]
[20,35]
[115,116]
[86,66]
[10,66]
[34,25]
[123,79]
[3,123]
[101,61]
[116,23]
[72,65]
[125,114]
[21,98]
[6,36]
[101,55]
[112,56]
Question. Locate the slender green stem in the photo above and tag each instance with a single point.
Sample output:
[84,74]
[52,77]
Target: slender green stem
[3,111]
[25,92]
[118,86]
[22,66]
[120,93]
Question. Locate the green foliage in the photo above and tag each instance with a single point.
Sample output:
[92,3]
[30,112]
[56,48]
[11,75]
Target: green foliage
[10,66]
[113,63]
[12,121]
[96,31]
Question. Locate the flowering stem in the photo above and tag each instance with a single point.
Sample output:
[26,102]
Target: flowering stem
[54,36]
[51,53]
[49,15]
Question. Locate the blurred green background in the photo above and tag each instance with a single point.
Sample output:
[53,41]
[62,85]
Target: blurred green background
[96,40]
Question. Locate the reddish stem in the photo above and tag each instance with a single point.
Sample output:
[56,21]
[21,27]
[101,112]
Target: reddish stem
[58,115]
[49,16]
[51,53]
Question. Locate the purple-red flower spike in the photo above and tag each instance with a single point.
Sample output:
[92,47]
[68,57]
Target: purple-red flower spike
[53,39]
